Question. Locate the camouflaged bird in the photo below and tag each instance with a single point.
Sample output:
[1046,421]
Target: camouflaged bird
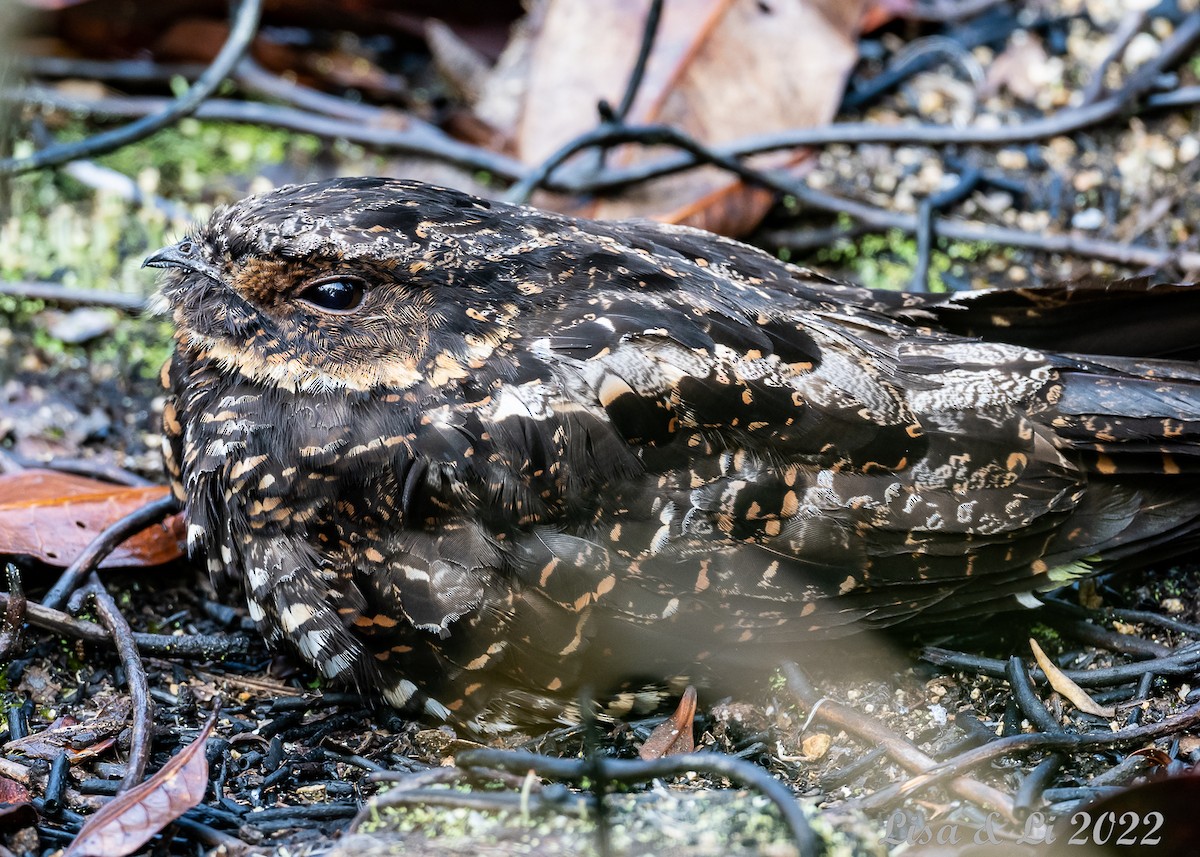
[471,456]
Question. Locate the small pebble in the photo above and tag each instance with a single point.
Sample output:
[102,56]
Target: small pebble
[1089,218]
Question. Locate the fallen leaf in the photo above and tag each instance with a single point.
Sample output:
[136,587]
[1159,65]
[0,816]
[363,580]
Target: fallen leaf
[674,735]
[48,743]
[16,810]
[126,823]
[1069,689]
[12,792]
[719,70]
[1022,69]
[1156,756]
[54,516]
[17,815]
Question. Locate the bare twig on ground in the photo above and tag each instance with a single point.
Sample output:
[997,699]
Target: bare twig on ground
[630,770]
[204,646]
[901,751]
[241,32]
[963,762]
[54,293]
[135,675]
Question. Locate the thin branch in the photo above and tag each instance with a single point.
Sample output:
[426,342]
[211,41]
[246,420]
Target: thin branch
[135,676]
[649,31]
[628,770]
[873,732]
[241,32]
[411,138]
[1133,22]
[54,293]
[1134,255]
[1187,719]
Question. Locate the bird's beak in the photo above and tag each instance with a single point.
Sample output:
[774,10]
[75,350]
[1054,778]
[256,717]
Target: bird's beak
[184,254]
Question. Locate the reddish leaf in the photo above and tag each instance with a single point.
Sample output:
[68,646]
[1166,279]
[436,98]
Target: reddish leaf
[674,735]
[126,823]
[53,516]
[12,792]
[17,816]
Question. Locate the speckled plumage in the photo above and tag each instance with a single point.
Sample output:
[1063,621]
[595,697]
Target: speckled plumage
[543,452]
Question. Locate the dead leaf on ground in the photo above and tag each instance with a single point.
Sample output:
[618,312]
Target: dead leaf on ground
[1075,694]
[54,516]
[720,70]
[128,821]
[80,740]
[16,810]
[674,735]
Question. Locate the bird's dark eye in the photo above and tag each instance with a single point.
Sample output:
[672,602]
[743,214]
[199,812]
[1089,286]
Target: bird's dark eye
[337,295]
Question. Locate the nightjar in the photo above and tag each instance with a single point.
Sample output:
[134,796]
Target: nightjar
[471,457]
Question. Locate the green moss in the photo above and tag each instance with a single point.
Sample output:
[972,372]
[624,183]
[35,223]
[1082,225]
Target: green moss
[1049,639]
[887,260]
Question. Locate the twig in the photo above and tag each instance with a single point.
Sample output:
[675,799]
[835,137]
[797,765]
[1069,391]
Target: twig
[1133,255]
[82,297]
[966,183]
[1027,699]
[1187,719]
[133,71]
[207,646]
[1133,21]
[1152,618]
[952,10]
[1029,793]
[135,675]
[412,139]
[1182,662]
[87,467]
[1105,638]
[873,732]
[218,841]
[914,58]
[241,32]
[98,177]
[104,544]
[629,770]
[649,31]
[254,78]
[852,133]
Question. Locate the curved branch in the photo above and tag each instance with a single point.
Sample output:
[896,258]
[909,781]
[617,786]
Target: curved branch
[245,24]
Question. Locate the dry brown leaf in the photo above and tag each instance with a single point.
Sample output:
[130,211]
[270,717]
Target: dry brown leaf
[47,744]
[1020,69]
[12,792]
[126,823]
[674,735]
[1156,756]
[720,70]
[54,516]
[16,810]
[1069,689]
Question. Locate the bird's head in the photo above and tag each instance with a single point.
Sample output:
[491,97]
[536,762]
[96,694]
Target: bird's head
[358,284]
